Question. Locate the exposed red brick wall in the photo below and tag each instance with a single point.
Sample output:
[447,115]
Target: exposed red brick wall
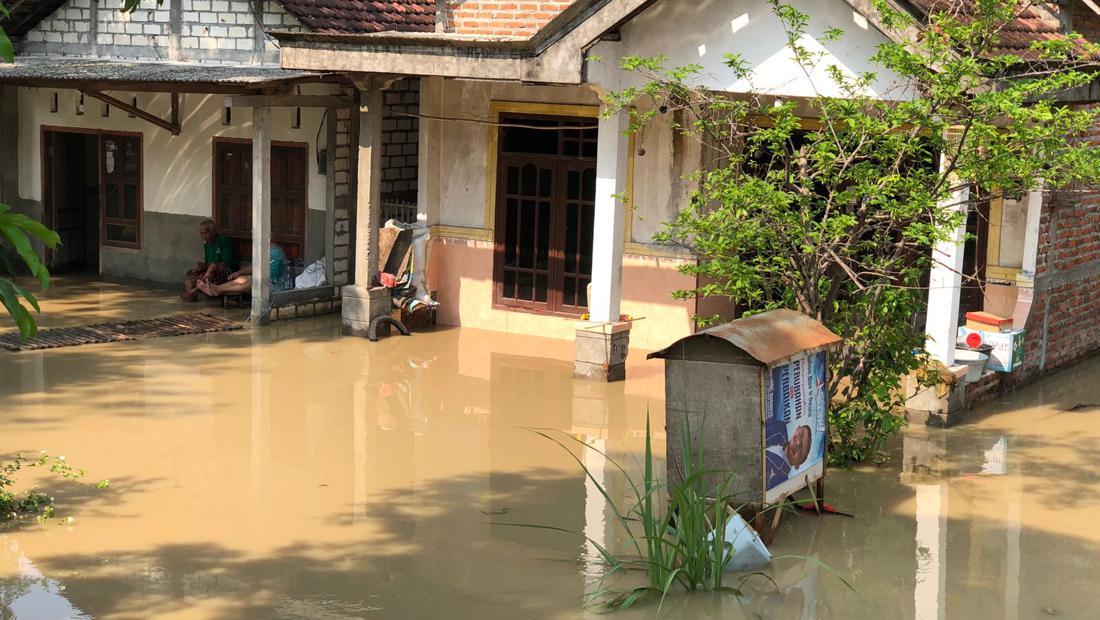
[1084,21]
[509,18]
[1063,326]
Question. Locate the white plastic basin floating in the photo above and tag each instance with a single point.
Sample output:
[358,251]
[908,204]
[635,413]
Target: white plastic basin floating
[975,363]
[749,552]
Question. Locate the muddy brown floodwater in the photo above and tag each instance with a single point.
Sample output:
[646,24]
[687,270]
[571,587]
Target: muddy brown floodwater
[288,472]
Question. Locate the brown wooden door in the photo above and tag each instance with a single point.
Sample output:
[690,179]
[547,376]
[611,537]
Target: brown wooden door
[544,221]
[525,224]
[289,193]
[233,188]
[288,198]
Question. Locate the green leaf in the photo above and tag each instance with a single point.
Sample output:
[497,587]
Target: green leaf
[7,52]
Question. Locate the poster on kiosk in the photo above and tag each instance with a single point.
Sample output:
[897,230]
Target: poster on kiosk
[794,425]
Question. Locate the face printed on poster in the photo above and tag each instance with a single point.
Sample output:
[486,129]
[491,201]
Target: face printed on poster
[794,418]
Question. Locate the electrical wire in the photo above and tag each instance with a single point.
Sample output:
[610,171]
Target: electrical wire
[494,123]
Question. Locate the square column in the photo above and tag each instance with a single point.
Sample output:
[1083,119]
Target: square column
[261,214]
[362,300]
[609,218]
[601,345]
[944,284]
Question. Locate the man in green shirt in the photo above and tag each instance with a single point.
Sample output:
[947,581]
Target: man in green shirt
[217,264]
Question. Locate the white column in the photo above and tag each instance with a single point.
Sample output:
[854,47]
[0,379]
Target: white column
[261,213]
[607,228]
[944,285]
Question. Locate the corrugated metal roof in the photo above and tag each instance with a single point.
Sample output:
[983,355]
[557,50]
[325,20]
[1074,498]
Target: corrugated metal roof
[771,338]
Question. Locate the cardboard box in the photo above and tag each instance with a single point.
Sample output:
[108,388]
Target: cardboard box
[1008,348]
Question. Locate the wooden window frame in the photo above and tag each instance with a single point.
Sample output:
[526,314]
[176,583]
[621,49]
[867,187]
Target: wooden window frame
[99,133]
[994,272]
[555,274]
[215,141]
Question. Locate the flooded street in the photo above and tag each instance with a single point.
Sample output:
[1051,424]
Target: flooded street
[288,472]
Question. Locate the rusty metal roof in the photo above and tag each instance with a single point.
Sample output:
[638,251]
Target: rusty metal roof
[771,338]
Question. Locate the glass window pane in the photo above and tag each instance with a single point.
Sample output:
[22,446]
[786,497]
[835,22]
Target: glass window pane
[543,254]
[588,149]
[528,140]
[571,238]
[525,286]
[569,292]
[546,182]
[123,233]
[527,187]
[509,291]
[512,180]
[527,234]
[589,191]
[111,200]
[573,186]
[582,292]
[540,288]
[586,212]
[511,227]
[130,203]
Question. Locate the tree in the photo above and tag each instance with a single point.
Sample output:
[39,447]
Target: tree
[836,219]
[16,231]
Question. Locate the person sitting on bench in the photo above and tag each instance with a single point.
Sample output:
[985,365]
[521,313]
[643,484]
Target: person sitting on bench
[217,264]
[239,282]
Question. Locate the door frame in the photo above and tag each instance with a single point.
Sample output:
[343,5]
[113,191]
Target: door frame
[553,305]
[49,209]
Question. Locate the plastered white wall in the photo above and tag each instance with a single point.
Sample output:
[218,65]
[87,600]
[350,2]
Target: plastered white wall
[457,156]
[703,31]
[177,169]
[464,146]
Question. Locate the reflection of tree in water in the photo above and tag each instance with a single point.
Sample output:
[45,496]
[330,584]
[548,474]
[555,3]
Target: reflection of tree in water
[31,591]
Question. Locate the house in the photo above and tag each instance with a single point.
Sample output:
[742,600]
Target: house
[131,128]
[518,169]
[486,115]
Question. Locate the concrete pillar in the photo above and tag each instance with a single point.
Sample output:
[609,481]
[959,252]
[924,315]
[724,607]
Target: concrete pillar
[330,195]
[609,218]
[601,345]
[261,214]
[363,300]
[429,154]
[944,283]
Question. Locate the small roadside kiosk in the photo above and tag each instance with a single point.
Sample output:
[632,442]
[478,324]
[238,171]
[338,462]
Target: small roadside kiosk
[753,393]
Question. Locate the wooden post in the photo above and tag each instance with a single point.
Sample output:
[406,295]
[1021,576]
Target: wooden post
[261,214]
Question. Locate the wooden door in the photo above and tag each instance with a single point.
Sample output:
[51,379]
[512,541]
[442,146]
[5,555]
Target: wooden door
[289,194]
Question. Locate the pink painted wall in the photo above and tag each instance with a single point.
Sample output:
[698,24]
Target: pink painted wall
[461,273]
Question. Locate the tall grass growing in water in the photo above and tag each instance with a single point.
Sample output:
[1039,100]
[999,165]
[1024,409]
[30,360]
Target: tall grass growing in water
[682,539]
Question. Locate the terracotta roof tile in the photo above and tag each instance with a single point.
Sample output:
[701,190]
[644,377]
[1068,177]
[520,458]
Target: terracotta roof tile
[1032,23]
[363,16]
